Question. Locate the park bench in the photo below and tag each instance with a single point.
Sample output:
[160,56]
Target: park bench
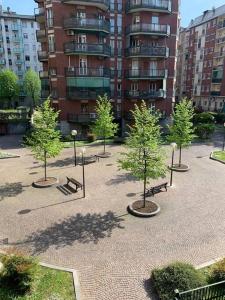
[156,189]
[75,182]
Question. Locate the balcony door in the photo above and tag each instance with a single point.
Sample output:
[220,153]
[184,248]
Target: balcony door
[81,15]
[82,42]
[83,66]
[135,67]
[153,68]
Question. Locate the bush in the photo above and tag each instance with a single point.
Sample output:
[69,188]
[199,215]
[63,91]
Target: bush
[67,138]
[18,271]
[204,118]
[220,118]
[91,137]
[218,272]
[204,131]
[179,276]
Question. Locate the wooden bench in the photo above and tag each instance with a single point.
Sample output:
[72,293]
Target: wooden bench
[75,182]
[156,189]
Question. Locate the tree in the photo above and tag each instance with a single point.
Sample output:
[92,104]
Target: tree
[145,158]
[9,88]
[44,140]
[182,130]
[104,126]
[32,87]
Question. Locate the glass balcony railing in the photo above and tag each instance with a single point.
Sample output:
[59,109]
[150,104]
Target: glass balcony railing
[82,118]
[88,49]
[40,14]
[17,50]
[19,62]
[87,72]
[146,74]
[73,93]
[145,95]
[147,51]
[2,61]
[150,29]
[87,24]
[40,34]
[42,55]
[149,5]
[43,74]
[103,4]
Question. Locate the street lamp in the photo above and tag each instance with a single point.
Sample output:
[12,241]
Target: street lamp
[173,145]
[74,134]
[224,137]
[83,151]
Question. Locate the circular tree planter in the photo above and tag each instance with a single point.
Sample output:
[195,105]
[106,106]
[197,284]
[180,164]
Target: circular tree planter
[180,168]
[104,155]
[136,209]
[42,183]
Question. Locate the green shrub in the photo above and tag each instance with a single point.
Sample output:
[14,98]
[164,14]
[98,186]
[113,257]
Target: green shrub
[218,272]
[18,271]
[179,276]
[220,118]
[67,138]
[204,118]
[91,137]
[204,131]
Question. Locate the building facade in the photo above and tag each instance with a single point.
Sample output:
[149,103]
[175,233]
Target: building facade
[18,44]
[200,67]
[126,49]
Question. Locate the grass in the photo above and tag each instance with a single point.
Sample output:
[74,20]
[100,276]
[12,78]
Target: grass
[86,143]
[219,155]
[49,285]
[6,155]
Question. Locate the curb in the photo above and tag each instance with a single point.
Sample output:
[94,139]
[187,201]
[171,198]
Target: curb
[209,263]
[216,159]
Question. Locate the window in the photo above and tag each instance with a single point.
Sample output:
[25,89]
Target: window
[32,24]
[84,108]
[25,36]
[6,28]
[112,46]
[112,25]
[10,62]
[49,17]
[52,71]
[7,40]
[155,20]
[51,43]
[24,24]
[119,23]
[27,57]
[9,51]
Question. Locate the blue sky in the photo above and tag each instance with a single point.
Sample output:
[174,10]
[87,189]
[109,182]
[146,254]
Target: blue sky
[189,8]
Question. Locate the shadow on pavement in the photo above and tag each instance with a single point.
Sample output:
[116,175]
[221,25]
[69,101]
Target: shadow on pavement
[11,190]
[150,290]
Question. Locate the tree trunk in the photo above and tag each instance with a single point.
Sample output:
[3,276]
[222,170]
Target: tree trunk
[180,156]
[145,170]
[45,165]
[104,144]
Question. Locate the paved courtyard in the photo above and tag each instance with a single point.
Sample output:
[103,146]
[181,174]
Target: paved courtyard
[112,251]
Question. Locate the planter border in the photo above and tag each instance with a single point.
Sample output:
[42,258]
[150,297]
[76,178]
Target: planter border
[179,170]
[8,157]
[140,214]
[216,159]
[39,186]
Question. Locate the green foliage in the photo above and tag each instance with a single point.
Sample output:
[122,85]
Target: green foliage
[179,276]
[181,131]
[9,88]
[218,272]
[219,117]
[144,144]
[91,137]
[204,131]
[204,118]
[32,86]
[18,271]
[44,139]
[104,126]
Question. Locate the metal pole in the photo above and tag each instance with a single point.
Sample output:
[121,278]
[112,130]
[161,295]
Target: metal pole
[145,169]
[75,152]
[224,141]
[83,175]
[171,174]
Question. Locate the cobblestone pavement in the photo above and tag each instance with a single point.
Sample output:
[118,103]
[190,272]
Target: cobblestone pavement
[113,252]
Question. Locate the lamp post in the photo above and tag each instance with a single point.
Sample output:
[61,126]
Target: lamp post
[74,134]
[145,173]
[224,137]
[83,151]
[173,145]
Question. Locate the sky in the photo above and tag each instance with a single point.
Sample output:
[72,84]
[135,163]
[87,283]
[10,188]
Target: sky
[189,8]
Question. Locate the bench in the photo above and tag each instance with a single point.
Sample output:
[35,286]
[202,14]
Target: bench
[156,189]
[75,182]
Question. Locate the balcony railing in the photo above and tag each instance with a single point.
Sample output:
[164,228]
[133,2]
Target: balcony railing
[42,55]
[39,14]
[146,51]
[2,61]
[82,118]
[215,93]
[88,49]
[87,72]
[146,74]
[1,50]
[16,39]
[103,4]
[40,34]
[87,24]
[17,50]
[43,74]
[19,62]
[80,94]
[15,27]
[151,29]
[217,80]
[150,5]
[144,95]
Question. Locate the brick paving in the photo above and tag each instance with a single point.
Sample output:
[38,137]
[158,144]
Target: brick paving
[112,251]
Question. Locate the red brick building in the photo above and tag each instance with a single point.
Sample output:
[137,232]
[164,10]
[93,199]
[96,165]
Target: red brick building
[126,49]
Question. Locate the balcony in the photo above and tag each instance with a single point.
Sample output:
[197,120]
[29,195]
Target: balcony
[42,55]
[43,74]
[16,39]
[73,48]
[87,72]
[215,93]
[145,51]
[148,29]
[17,50]
[1,38]
[41,35]
[19,62]
[163,6]
[20,73]
[2,62]
[217,80]
[102,4]
[82,118]
[16,27]
[74,93]
[39,14]
[146,74]
[1,50]
[145,95]
[45,93]
[94,25]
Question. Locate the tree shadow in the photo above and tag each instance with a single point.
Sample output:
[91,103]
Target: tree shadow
[11,190]
[150,289]
[121,179]
[89,228]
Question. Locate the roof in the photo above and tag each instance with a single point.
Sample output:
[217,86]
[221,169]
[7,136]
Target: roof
[12,15]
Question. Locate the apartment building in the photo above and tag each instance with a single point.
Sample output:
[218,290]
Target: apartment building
[200,68]
[125,49]
[18,43]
